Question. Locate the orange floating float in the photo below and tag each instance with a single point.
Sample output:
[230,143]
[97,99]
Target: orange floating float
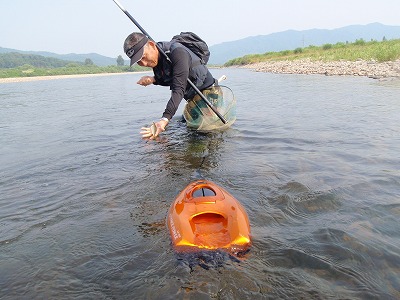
[205,216]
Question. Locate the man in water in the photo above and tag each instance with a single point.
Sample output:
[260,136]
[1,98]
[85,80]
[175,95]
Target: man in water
[184,64]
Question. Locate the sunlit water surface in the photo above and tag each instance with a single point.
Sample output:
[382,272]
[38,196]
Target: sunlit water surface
[313,159]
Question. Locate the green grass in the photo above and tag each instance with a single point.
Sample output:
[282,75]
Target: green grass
[70,69]
[373,50]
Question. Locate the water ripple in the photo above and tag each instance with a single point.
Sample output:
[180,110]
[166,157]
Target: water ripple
[84,199]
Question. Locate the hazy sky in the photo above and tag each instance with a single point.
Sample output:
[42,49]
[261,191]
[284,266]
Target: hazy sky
[86,26]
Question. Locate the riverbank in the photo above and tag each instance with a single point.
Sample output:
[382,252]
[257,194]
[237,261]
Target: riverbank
[370,69]
[36,78]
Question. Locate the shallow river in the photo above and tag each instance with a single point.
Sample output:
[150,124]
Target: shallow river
[315,161]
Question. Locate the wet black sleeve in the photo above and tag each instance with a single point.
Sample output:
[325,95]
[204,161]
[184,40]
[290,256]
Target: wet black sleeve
[181,61]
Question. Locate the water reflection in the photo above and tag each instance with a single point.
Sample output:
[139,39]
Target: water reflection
[190,152]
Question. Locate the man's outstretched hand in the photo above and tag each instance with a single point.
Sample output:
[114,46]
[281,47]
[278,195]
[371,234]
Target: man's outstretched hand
[154,130]
[146,80]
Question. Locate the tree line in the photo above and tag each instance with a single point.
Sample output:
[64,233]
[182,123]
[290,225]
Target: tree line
[14,64]
[16,59]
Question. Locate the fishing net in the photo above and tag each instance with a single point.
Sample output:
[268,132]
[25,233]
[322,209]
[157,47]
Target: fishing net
[200,117]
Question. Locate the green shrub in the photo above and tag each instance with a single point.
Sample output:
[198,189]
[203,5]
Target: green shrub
[327,46]
[359,42]
[298,50]
[340,45]
[285,52]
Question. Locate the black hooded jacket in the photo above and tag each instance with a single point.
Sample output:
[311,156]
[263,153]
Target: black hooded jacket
[184,64]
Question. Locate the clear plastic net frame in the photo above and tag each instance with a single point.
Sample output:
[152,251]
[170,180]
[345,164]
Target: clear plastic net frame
[199,116]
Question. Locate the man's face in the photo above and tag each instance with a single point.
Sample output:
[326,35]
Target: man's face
[150,56]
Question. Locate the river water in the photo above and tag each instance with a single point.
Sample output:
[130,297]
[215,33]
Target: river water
[313,159]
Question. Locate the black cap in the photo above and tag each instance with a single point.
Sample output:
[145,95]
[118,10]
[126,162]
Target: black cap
[134,46]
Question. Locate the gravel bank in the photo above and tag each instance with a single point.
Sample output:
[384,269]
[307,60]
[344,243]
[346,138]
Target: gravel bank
[370,69]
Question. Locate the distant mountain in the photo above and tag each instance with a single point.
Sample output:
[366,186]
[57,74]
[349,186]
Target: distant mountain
[292,39]
[97,59]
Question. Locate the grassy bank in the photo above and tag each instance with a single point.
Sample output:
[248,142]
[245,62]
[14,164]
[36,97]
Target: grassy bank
[71,69]
[373,50]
